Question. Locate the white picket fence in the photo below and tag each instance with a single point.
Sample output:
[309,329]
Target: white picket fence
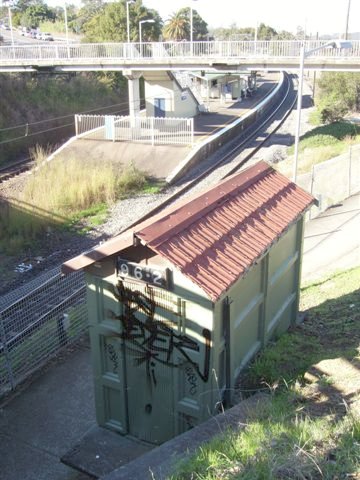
[149,130]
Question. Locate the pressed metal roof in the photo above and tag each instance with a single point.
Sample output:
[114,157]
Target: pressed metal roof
[215,237]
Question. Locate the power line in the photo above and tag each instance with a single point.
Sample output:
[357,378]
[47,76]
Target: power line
[41,132]
[26,125]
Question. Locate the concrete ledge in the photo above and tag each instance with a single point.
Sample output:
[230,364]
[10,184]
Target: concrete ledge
[159,463]
[101,451]
[236,128]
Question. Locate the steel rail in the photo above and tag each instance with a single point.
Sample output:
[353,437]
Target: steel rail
[226,157]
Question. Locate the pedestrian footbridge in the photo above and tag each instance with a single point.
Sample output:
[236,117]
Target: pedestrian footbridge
[208,56]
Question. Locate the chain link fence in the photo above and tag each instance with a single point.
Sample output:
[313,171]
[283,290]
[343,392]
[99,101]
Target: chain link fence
[42,317]
[38,324]
[333,181]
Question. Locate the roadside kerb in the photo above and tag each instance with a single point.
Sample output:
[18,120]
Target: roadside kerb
[159,463]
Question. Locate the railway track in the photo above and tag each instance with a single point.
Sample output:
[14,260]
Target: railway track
[15,169]
[54,297]
[233,156]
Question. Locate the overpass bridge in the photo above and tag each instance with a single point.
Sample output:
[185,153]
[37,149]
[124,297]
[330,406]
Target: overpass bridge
[212,56]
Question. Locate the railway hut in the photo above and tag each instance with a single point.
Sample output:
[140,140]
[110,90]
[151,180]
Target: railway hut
[180,303]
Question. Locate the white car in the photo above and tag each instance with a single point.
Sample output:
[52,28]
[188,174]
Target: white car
[47,36]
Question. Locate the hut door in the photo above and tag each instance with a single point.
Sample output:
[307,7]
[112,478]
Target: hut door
[149,324]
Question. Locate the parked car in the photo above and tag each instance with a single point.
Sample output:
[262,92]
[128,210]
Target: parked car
[25,31]
[47,36]
[38,36]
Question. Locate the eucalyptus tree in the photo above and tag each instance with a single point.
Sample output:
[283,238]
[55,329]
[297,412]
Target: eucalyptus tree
[265,32]
[110,22]
[35,14]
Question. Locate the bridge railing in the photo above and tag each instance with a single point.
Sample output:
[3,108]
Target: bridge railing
[149,130]
[171,50]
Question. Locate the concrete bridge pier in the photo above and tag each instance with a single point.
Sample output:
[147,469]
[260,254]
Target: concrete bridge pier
[134,93]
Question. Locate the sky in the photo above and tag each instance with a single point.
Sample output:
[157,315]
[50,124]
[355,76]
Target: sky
[314,16]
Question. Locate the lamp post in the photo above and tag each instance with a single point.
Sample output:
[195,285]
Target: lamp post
[347,19]
[9,5]
[304,54]
[150,20]
[128,19]
[66,30]
[66,24]
[191,28]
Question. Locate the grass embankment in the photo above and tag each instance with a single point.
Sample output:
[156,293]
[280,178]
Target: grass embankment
[40,109]
[321,144]
[310,428]
[64,194]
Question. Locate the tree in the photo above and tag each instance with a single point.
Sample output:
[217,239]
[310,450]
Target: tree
[35,14]
[177,27]
[338,94]
[109,24]
[22,5]
[266,33]
[90,9]
[285,35]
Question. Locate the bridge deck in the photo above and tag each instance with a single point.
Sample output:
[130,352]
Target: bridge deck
[212,56]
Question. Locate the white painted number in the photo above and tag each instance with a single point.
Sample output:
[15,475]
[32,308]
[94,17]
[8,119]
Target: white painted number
[124,269]
[157,278]
[138,273]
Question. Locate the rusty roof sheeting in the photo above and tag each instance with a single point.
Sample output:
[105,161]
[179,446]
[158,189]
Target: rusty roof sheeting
[215,238]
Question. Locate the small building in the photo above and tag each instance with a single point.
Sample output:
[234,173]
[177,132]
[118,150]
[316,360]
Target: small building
[166,98]
[179,304]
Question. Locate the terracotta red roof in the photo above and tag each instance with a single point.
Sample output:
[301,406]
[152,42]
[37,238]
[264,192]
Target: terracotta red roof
[215,237]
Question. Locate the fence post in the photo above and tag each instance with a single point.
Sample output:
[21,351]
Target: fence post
[152,131]
[192,131]
[350,160]
[3,341]
[312,186]
[76,126]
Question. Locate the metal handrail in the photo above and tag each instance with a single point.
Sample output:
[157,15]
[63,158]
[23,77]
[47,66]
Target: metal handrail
[165,51]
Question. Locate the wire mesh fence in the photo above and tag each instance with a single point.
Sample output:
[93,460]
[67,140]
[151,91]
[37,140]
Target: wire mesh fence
[38,325]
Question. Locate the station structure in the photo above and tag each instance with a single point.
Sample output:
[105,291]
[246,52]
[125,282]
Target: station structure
[179,304]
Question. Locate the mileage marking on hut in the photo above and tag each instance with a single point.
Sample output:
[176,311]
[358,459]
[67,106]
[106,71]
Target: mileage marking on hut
[143,273]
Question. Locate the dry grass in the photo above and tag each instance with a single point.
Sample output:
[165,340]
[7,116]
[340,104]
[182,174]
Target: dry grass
[67,186]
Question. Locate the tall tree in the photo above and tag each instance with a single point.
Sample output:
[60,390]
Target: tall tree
[265,32]
[338,94]
[109,24]
[35,14]
[178,26]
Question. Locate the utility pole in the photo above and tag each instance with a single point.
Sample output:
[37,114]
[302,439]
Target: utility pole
[347,20]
